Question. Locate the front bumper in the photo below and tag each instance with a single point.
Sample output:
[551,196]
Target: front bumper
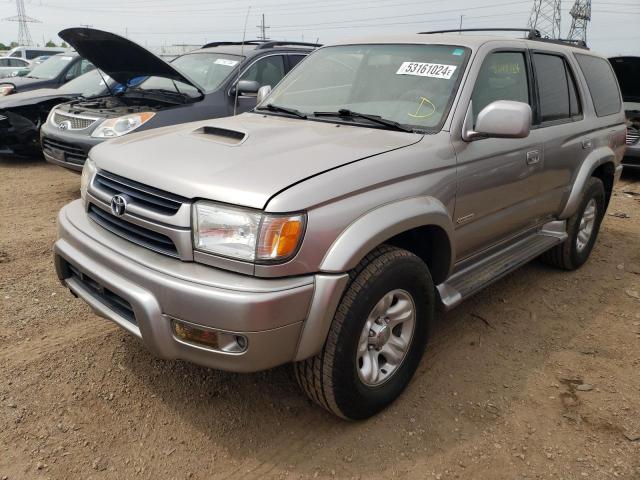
[632,156]
[282,319]
[66,148]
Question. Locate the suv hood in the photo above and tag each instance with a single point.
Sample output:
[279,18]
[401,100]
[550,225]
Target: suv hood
[119,57]
[628,72]
[242,160]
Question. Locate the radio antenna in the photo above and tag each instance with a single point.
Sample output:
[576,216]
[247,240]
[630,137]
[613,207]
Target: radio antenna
[244,36]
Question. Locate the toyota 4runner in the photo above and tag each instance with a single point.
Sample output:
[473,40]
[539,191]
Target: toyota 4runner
[380,180]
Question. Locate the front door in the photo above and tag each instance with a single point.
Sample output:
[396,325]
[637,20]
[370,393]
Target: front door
[267,70]
[497,177]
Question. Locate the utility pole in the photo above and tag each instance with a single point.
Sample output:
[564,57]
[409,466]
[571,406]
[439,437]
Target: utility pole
[263,29]
[581,14]
[24,37]
[545,17]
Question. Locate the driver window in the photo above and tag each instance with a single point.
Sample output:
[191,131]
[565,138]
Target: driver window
[266,71]
[503,76]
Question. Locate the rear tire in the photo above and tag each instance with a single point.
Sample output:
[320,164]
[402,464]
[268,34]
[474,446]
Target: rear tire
[377,336]
[582,230]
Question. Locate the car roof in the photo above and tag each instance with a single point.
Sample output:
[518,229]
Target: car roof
[250,50]
[471,41]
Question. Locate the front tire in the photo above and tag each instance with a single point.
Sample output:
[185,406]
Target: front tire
[582,230]
[377,336]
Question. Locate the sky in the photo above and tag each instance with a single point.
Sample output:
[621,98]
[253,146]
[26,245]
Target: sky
[614,29]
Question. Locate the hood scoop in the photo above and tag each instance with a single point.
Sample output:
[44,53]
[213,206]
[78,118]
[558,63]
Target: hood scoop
[221,135]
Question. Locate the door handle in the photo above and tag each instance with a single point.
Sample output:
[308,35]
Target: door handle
[533,157]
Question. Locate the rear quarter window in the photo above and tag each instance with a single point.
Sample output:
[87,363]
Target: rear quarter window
[602,84]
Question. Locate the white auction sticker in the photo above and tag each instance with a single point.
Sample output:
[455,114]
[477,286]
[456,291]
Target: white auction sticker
[433,70]
[226,63]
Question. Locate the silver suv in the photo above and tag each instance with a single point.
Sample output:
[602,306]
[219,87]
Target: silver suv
[380,180]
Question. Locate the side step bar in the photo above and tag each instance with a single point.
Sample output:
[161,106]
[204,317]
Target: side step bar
[470,280]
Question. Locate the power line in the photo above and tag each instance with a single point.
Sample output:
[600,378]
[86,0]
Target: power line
[24,36]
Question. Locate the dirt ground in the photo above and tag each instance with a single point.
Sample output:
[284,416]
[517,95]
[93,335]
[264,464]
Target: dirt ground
[537,377]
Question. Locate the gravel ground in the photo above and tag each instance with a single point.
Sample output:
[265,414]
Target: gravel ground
[536,377]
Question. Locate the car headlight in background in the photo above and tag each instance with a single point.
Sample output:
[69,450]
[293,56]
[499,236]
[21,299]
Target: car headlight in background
[115,127]
[246,234]
[6,89]
[88,171]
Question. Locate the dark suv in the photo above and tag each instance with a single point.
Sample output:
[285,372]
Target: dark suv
[218,80]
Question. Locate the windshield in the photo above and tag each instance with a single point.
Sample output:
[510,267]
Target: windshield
[51,67]
[88,85]
[208,70]
[413,85]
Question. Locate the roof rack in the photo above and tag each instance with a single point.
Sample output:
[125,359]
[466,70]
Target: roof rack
[283,43]
[532,34]
[246,42]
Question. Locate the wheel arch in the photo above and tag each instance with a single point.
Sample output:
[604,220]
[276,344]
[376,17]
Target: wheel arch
[600,163]
[421,225]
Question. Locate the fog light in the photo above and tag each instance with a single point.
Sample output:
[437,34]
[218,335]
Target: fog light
[209,338]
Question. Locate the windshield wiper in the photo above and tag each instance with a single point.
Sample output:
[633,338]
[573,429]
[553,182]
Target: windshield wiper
[346,113]
[276,108]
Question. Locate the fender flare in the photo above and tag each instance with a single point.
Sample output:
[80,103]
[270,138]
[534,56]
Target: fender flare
[596,158]
[382,223]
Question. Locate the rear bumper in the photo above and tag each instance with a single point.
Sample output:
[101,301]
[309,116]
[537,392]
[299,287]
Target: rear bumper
[272,314]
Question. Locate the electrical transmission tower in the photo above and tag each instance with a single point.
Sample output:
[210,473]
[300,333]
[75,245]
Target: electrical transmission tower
[581,13]
[24,37]
[545,17]
[263,29]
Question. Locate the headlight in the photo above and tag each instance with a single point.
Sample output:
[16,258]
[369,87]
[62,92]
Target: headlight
[88,171]
[245,234]
[115,127]
[6,89]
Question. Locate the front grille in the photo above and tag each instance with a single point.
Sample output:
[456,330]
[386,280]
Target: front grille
[633,136]
[150,198]
[75,123]
[64,151]
[142,236]
[106,296]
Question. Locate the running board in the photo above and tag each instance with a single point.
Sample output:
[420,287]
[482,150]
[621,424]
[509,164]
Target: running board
[475,277]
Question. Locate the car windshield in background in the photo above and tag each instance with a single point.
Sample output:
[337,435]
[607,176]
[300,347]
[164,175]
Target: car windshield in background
[51,67]
[208,70]
[412,85]
[88,85]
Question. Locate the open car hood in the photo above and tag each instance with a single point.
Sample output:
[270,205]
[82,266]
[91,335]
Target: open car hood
[119,57]
[628,72]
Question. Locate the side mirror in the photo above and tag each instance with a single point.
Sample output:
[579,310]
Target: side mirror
[247,87]
[500,119]
[263,93]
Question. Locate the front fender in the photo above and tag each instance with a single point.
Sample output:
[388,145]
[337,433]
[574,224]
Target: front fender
[596,158]
[380,224]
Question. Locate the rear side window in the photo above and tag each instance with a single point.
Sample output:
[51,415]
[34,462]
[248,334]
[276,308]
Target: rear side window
[602,84]
[503,77]
[557,89]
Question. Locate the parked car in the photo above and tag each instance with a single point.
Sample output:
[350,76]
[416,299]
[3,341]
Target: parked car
[29,53]
[381,179]
[34,63]
[8,66]
[22,114]
[628,72]
[195,86]
[56,71]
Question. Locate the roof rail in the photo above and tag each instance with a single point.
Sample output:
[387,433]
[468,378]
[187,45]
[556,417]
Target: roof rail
[283,43]
[533,34]
[565,41]
[246,42]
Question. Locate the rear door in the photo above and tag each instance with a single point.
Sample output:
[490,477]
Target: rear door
[497,177]
[561,120]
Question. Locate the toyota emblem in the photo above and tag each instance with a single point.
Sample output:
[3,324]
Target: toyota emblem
[119,205]
[65,125]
